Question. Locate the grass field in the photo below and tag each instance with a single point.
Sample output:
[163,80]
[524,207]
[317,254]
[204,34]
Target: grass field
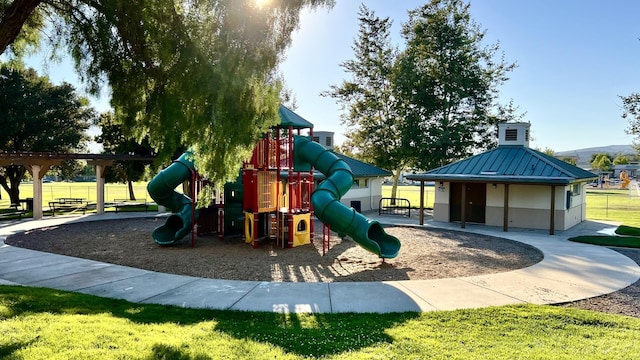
[86,190]
[613,205]
[412,193]
[49,324]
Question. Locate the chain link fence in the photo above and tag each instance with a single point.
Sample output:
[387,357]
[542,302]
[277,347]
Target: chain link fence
[614,206]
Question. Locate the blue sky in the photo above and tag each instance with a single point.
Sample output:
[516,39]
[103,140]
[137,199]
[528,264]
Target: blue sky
[574,58]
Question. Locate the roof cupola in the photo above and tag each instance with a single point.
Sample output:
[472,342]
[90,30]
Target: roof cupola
[513,134]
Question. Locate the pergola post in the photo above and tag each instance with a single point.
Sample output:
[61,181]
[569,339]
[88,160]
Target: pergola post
[38,171]
[101,166]
[37,191]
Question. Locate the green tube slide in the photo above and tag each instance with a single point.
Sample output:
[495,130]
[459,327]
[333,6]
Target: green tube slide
[162,190]
[326,199]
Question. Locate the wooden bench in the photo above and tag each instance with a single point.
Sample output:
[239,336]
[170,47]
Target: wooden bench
[13,211]
[68,204]
[128,204]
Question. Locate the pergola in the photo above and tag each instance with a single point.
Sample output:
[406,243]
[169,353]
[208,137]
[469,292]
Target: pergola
[39,163]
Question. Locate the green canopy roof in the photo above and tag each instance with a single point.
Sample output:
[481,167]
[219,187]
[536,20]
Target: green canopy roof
[289,118]
[362,169]
[509,164]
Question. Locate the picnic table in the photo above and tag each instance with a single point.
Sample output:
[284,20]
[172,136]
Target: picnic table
[128,203]
[68,204]
[13,210]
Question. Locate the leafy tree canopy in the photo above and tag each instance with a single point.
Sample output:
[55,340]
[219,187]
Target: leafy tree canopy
[601,162]
[185,73]
[36,115]
[620,160]
[631,112]
[450,78]
[114,141]
[374,127]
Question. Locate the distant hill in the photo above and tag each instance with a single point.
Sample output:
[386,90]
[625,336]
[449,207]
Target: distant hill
[584,155]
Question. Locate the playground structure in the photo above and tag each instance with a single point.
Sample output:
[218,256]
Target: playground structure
[273,198]
[624,180]
[623,183]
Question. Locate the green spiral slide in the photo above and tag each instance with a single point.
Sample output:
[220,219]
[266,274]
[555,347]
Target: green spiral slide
[162,190]
[326,199]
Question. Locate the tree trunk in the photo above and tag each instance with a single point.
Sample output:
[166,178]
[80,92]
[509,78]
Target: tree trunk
[14,19]
[394,187]
[132,196]
[11,181]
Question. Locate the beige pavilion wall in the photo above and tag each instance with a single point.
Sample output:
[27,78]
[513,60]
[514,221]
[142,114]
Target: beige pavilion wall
[529,205]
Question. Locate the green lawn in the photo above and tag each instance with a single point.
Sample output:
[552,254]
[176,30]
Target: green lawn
[48,324]
[613,205]
[86,190]
[412,193]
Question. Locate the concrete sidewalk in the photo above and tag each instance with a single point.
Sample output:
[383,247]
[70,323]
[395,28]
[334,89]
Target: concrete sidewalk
[569,271]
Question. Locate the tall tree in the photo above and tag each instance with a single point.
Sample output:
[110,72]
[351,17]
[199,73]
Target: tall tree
[602,162]
[631,112]
[36,115]
[620,160]
[114,141]
[451,80]
[370,107]
[187,73]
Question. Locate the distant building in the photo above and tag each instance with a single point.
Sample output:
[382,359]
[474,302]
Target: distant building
[631,169]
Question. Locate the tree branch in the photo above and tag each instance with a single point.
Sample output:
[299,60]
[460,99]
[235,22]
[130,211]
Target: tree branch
[13,20]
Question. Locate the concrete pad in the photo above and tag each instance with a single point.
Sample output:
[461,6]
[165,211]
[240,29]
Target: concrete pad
[205,294]
[22,265]
[90,278]
[139,288]
[10,253]
[53,270]
[532,289]
[453,294]
[374,297]
[287,298]
[608,275]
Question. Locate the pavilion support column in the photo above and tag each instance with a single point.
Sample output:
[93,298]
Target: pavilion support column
[35,171]
[463,207]
[100,188]
[421,202]
[38,171]
[505,220]
[100,166]
[552,216]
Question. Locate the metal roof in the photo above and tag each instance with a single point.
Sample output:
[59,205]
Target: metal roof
[359,169]
[362,169]
[509,164]
[289,118]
